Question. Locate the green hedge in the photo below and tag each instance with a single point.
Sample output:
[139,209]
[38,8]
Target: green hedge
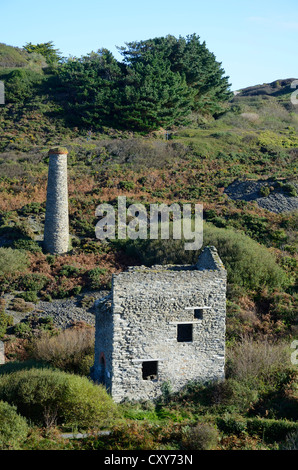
[48,397]
[270,430]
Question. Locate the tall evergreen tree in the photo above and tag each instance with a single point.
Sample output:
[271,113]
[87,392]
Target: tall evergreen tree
[153,96]
[92,87]
[193,61]
[159,83]
[46,49]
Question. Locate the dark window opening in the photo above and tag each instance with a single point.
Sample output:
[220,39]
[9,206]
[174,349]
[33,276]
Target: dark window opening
[102,369]
[149,370]
[184,333]
[198,313]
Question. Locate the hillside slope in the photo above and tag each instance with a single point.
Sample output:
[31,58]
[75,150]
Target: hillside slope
[242,166]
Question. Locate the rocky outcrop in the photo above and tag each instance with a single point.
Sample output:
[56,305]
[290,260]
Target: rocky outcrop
[275,196]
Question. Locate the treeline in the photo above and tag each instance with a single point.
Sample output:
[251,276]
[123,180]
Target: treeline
[159,83]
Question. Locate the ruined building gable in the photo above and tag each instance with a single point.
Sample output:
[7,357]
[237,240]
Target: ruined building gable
[162,324]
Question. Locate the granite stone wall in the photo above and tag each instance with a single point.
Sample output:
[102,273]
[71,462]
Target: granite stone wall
[162,324]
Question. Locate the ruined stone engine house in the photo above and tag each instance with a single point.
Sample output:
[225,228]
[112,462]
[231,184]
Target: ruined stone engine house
[162,324]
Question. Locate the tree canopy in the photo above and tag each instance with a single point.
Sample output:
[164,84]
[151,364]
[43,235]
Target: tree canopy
[46,49]
[159,83]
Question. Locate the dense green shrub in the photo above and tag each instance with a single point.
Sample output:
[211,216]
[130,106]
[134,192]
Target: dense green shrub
[34,326]
[22,330]
[32,208]
[248,263]
[128,185]
[21,84]
[15,366]
[48,396]
[232,424]
[265,191]
[95,277]
[271,430]
[28,245]
[33,282]
[233,395]
[29,296]
[69,271]
[13,427]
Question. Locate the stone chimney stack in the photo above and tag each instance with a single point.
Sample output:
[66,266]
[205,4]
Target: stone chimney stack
[56,229]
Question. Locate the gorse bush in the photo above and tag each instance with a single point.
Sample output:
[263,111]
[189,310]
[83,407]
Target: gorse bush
[13,427]
[48,397]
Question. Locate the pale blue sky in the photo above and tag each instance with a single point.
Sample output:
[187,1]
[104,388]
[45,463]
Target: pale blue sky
[256,41]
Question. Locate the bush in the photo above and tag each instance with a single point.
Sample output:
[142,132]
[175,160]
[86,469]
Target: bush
[230,424]
[50,397]
[127,185]
[203,436]
[13,427]
[265,191]
[70,271]
[95,277]
[28,245]
[20,305]
[233,395]
[248,263]
[33,282]
[12,261]
[5,320]
[271,430]
[21,84]
[28,296]
[34,326]
[15,366]
[32,208]
[257,361]
[70,350]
